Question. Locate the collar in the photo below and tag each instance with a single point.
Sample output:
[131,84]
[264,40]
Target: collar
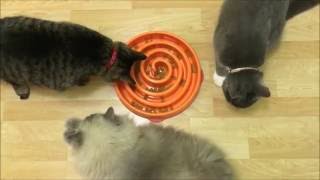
[113,58]
[218,79]
[231,71]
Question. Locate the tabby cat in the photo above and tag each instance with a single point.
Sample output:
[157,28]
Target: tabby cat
[59,55]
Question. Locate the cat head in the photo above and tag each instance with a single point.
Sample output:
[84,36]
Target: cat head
[98,140]
[125,58]
[100,131]
[244,88]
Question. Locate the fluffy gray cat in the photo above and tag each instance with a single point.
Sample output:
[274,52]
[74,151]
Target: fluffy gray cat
[59,55]
[108,146]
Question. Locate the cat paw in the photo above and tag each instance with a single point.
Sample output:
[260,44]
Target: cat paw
[23,91]
[218,80]
[83,81]
[24,96]
[82,84]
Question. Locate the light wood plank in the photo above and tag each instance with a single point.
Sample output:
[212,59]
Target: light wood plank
[276,139]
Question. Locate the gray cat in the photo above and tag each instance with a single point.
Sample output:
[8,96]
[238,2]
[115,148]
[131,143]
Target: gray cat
[108,146]
[246,31]
[59,55]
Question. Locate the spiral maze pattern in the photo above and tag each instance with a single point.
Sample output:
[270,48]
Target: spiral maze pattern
[167,82]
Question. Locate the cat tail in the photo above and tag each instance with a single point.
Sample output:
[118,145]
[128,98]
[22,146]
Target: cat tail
[1,29]
[1,26]
[298,6]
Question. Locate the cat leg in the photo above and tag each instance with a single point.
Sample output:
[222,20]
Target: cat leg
[220,74]
[218,80]
[83,81]
[21,90]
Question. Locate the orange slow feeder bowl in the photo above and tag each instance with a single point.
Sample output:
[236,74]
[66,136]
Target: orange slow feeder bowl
[167,82]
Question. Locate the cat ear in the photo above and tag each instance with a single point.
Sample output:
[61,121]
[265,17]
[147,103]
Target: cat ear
[127,78]
[111,117]
[110,114]
[73,137]
[73,123]
[263,91]
[139,56]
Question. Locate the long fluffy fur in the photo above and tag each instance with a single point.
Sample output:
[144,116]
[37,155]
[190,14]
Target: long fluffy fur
[124,151]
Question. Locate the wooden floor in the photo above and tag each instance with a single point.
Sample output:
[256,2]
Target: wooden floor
[276,139]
